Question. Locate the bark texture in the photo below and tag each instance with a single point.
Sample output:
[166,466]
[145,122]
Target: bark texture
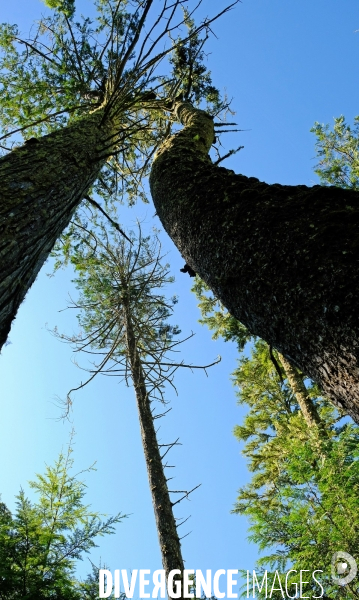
[41,184]
[282,259]
[308,408]
[170,545]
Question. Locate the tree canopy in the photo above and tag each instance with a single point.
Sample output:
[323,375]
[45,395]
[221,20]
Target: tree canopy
[125,325]
[42,541]
[302,500]
[90,98]
[338,153]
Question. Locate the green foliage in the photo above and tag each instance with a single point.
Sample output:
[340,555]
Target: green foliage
[122,274]
[69,67]
[302,501]
[312,515]
[274,415]
[65,6]
[43,82]
[188,68]
[72,65]
[217,318]
[41,542]
[338,152]
[122,280]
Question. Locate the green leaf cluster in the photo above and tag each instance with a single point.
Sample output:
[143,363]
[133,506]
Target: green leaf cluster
[190,71]
[116,274]
[302,501]
[42,541]
[65,6]
[338,152]
[120,280]
[217,318]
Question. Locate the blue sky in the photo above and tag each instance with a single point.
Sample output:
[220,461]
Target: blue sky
[286,65]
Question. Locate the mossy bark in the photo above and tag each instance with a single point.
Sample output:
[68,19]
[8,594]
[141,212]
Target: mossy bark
[41,184]
[282,259]
[306,405]
[170,544]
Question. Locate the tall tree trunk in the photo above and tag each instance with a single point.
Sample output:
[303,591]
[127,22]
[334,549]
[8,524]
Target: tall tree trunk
[41,184]
[166,525]
[306,405]
[282,259]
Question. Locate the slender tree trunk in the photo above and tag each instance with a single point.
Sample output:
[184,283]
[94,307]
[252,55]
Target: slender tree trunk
[41,184]
[306,405]
[282,259]
[166,525]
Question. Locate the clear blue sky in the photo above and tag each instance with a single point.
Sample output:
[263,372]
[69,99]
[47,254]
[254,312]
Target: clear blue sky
[285,64]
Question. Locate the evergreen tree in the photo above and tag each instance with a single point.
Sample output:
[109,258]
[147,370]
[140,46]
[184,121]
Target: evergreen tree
[90,102]
[282,259]
[338,153]
[124,320]
[296,288]
[42,541]
[302,500]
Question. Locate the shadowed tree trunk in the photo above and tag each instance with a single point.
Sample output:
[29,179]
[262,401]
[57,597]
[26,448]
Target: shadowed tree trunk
[282,259]
[42,183]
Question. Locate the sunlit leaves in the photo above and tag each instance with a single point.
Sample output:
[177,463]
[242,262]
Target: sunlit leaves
[217,318]
[41,542]
[302,500]
[122,282]
[338,152]
[65,6]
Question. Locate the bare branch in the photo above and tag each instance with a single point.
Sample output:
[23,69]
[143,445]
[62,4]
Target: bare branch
[186,495]
[115,225]
[230,153]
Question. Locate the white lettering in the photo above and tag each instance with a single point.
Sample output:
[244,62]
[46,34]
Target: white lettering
[187,583]
[318,582]
[171,592]
[280,585]
[286,585]
[231,583]
[203,584]
[101,583]
[215,583]
[126,587]
[117,583]
[143,583]
[159,579]
[255,582]
[301,583]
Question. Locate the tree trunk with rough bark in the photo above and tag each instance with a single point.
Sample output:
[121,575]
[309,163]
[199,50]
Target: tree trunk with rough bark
[282,259]
[306,405]
[169,541]
[41,184]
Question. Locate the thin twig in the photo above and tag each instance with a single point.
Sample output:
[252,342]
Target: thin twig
[116,225]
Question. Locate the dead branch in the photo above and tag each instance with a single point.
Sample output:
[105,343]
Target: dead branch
[186,495]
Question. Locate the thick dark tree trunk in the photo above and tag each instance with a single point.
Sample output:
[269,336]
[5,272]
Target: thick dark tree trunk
[170,544]
[282,259]
[41,184]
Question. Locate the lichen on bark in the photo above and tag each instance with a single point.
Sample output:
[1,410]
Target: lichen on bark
[42,183]
[282,259]
[306,405]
